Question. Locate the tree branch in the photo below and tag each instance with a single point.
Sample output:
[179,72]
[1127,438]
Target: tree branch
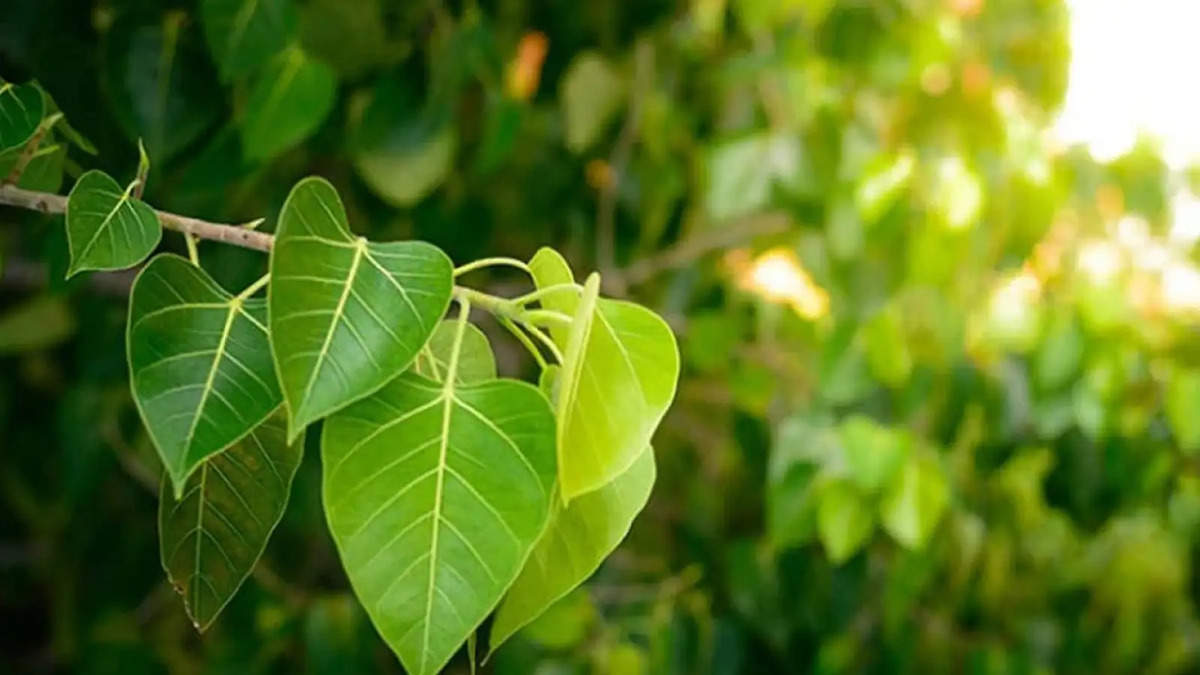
[236,235]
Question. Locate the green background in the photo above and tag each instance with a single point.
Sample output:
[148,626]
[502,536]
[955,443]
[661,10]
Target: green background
[980,455]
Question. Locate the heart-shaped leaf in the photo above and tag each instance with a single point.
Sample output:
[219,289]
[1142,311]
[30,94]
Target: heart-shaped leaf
[244,34]
[578,538]
[346,316]
[212,536]
[435,494]
[199,362]
[289,101]
[107,227]
[618,378]
[476,362]
[21,111]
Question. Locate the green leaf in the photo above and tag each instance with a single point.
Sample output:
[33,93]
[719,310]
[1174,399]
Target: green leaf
[38,323]
[741,174]
[844,520]
[289,101]
[874,453]
[564,624]
[160,83]
[346,315]
[579,537]
[914,503]
[244,34]
[199,363]
[435,495]
[591,95]
[210,539]
[43,173]
[403,149]
[618,378]
[21,111]
[476,362]
[1182,407]
[107,227]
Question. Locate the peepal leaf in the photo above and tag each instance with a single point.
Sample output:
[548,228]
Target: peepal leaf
[21,111]
[618,378]
[288,102]
[210,539]
[579,537]
[435,495]
[913,504]
[346,315]
[199,362]
[243,34]
[107,227]
[476,362]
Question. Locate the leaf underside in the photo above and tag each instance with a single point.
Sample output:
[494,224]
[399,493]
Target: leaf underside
[435,494]
[107,227]
[345,315]
[199,362]
[210,539]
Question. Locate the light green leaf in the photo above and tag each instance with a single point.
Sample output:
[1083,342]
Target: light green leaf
[403,148]
[618,378]
[244,34]
[914,503]
[742,173]
[578,538]
[1182,406]
[564,624]
[435,495]
[591,95]
[873,452]
[107,227]
[143,168]
[199,363]
[844,520]
[21,111]
[289,101]
[476,362]
[38,323]
[210,539]
[346,315]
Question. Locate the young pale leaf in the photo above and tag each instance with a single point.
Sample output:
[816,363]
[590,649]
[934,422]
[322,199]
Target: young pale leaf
[107,227]
[288,102]
[620,368]
[579,537]
[210,539]
[346,315]
[21,111]
[476,362]
[244,34]
[199,362]
[435,494]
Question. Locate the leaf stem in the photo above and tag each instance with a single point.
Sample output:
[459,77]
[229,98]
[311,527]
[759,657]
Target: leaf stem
[545,316]
[545,339]
[490,262]
[254,287]
[490,303]
[523,338]
[193,252]
[544,291]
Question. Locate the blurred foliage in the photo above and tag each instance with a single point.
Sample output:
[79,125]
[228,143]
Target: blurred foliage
[941,405]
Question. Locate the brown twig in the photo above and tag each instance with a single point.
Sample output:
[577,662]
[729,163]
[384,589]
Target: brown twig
[236,235]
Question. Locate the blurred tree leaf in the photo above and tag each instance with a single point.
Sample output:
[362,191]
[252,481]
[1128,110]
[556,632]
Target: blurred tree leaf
[401,151]
[914,502]
[290,99]
[345,315]
[590,95]
[199,363]
[1182,405]
[38,323]
[43,173]
[873,452]
[108,228]
[160,83]
[887,348]
[564,624]
[211,538]
[741,174]
[844,520]
[245,34]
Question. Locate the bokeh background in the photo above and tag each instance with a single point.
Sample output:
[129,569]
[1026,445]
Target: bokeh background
[932,265]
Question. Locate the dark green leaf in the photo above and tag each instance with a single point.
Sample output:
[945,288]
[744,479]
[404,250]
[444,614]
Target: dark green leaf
[245,34]
[21,111]
[107,227]
[288,102]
